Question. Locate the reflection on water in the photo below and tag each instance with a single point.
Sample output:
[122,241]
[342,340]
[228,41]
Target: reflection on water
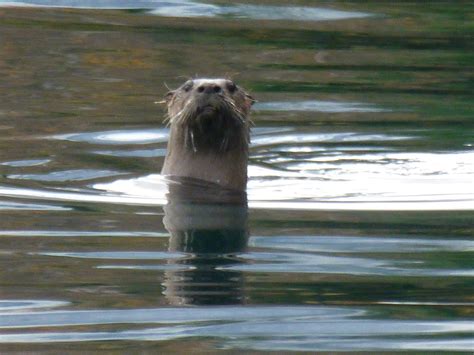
[211,230]
[337,244]
[319,106]
[188,8]
[6,205]
[316,264]
[258,331]
[70,175]
[358,230]
[300,168]
[117,137]
[28,305]
[22,163]
[257,12]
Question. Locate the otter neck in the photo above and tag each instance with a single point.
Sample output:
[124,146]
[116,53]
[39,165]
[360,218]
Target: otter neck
[214,133]
[217,158]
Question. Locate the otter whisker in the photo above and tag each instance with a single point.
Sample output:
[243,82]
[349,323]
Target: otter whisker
[183,116]
[189,138]
[237,110]
[193,144]
[234,111]
[186,137]
[224,143]
[250,122]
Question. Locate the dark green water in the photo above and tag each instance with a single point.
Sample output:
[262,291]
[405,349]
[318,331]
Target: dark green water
[359,230]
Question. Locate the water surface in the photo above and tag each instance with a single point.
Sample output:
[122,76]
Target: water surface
[358,232]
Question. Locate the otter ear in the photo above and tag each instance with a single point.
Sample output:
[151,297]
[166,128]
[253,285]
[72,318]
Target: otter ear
[169,95]
[249,101]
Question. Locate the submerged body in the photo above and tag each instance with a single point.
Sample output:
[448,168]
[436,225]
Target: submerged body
[209,132]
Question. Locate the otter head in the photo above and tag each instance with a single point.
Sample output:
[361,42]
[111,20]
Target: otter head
[209,132]
[211,114]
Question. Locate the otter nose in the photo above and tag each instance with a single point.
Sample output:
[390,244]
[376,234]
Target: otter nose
[209,88]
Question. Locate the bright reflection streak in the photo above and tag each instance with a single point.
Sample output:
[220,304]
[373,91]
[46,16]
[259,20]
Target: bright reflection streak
[385,181]
[318,106]
[188,8]
[300,171]
[117,137]
[20,306]
[183,8]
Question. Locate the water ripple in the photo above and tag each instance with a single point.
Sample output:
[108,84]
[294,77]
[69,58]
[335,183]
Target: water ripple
[67,175]
[119,255]
[170,315]
[340,137]
[335,244]
[21,306]
[26,163]
[81,234]
[289,262]
[117,137]
[279,331]
[319,106]
[182,8]
[140,153]
[16,206]
[188,8]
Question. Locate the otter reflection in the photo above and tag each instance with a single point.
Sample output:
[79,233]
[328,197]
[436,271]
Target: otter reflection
[208,223]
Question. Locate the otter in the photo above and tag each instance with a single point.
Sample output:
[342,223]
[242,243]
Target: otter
[209,132]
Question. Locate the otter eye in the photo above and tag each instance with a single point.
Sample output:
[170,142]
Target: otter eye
[188,85]
[231,87]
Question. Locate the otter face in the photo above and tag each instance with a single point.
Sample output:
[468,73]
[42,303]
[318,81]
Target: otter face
[212,113]
[203,93]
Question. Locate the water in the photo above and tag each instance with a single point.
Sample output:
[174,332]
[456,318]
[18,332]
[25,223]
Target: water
[358,235]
